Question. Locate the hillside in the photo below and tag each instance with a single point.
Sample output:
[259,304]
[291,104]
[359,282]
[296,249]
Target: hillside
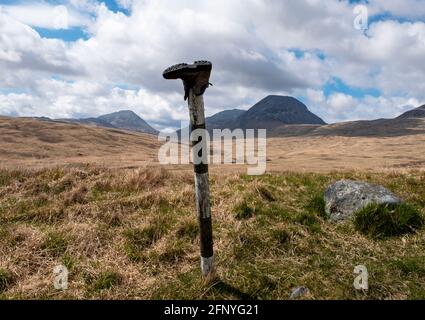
[34,143]
[366,128]
[226,119]
[288,117]
[415,113]
[274,111]
[128,120]
[125,119]
[269,113]
[28,141]
[411,122]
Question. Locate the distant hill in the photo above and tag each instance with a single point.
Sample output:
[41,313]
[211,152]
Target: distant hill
[224,119]
[287,117]
[274,111]
[365,128]
[126,120]
[415,113]
[45,142]
[270,113]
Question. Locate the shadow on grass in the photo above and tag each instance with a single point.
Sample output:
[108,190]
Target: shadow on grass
[222,288]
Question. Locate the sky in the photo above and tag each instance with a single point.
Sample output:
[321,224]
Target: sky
[82,58]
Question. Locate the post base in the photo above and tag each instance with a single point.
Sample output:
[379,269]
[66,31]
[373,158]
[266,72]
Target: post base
[207,266]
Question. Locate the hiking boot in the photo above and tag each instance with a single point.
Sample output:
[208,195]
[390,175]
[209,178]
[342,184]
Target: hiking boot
[195,76]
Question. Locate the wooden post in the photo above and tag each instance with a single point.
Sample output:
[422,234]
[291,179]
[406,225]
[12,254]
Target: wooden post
[197,121]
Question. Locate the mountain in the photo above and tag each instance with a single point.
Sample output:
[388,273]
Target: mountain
[270,113]
[274,111]
[405,125]
[89,121]
[224,119]
[126,120]
[415,113]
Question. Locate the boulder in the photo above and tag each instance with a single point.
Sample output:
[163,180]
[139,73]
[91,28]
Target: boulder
[299,293]
[345,197]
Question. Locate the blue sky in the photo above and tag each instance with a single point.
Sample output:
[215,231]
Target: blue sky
[110,56]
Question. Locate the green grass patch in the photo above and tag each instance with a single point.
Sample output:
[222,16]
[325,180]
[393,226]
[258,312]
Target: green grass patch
[68,261]
[387,220]
[34,210]
[270,236]
[6,279]
[174,252]
[188,229]
[243,210]
[248,243]
[411,265]
[266,194]
[55,244]
[282,236]
[316,204]
[105,281]
[309,220]
[7,176]
[138,240]
[61,186]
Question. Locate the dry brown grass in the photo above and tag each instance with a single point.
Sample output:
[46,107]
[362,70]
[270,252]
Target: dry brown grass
[132,234]
[29,143]
[97,201]
[25,142]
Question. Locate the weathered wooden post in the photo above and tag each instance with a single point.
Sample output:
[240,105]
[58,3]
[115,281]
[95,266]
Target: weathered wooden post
[196,80]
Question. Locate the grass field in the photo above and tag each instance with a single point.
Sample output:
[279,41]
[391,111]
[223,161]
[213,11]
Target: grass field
[133,234]
[29,143]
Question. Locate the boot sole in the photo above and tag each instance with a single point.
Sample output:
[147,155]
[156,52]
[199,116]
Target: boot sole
[178,71]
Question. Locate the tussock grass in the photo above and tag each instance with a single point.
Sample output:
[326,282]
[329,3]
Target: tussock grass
[386,220]
[6,279]
[140,239]
[243,210]
[188,229]
[104,281]
[412,265]
[55,243]
[317,205]
[127,234]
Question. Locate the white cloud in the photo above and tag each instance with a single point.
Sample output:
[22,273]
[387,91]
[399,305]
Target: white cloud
[413,9]
[126,4]
[315,96]
[343,107]
[45,15]
[258,48]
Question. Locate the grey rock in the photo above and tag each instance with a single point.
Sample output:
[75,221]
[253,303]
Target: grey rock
[345,197]
[298,293]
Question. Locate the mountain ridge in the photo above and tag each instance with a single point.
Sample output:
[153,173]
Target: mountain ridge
[280,115]
[123,119]
[414,113]
[269,113]
[273,111]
